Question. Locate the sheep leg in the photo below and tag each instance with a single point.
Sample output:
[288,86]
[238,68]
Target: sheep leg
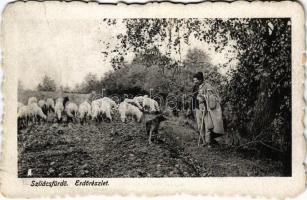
[25,122]
[122,117]
[150,134]
[97,118]
[139,119]
[108,116]
[147,125]
[75,117]
[100,118]
[69,119]
[81,121]
[87,117]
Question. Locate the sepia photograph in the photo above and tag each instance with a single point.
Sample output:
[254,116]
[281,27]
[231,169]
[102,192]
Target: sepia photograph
[153,99]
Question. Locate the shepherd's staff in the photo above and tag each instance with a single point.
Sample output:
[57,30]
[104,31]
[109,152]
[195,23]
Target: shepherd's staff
[201,136]
[201,128]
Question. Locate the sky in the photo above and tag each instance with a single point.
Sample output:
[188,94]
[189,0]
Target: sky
[67,50]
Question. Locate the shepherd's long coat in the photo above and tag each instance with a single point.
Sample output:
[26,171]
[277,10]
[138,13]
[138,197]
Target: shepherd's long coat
[213,117]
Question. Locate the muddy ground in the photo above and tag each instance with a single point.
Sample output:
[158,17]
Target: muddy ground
[121,150]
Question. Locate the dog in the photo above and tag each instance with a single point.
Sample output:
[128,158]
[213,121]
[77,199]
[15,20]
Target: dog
[152,125]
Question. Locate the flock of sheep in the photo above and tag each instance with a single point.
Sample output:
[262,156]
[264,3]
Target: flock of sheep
[35,110]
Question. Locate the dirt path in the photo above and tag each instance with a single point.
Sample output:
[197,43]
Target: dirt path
[121,150]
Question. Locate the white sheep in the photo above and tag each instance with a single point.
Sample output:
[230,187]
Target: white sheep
[32,100]
[150,104]
[19,106]
[139,101]
[126,109]
[105,108]
[95,110]
[59,108]
[101,107]
[42,104]
[111,101]
[23,116]
[71,110]
[84,111]
[134,102]
[23,111]
[36,112]
[50,105]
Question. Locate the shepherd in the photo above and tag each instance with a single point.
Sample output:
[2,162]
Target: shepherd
[209,112]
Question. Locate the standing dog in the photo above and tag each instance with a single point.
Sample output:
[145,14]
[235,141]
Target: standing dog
[152,125]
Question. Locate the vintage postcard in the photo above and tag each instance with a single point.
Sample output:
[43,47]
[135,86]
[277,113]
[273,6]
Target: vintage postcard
[153,99]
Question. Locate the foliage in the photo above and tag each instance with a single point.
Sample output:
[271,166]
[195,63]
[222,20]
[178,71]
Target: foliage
[260,87]
[48,84]
[66,89]
[90,83]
